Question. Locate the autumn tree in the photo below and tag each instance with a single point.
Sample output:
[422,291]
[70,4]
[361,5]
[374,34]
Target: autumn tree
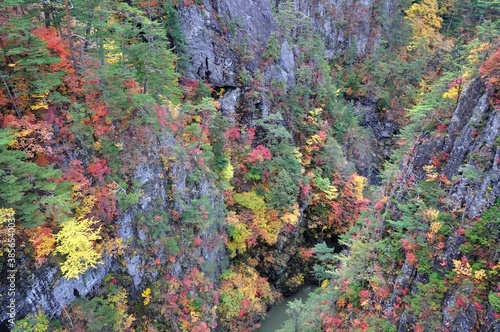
[25,67]
[76,241]
[244,298]
[425,22]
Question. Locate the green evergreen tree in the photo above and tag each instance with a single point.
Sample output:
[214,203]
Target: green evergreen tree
[30,189]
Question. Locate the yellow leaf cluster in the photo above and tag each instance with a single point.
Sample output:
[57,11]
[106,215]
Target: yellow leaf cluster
[430,172]
[41,104]
[85,207]
[425,23]
[240,283]
[315,139]
[359,182]
[452,93]
[196,118]
[430,215]
[76,241]
[251,201]
[314,115]
[114,247]
[41,101]
[97,145]
[167,160]
[195,315]
[331,192]
[239,235]
[6,214]
[123,321]
[146,295]
[298,156]
[461,268]
[112,52]
[228,172]
[268,226]
[480,275]
[292,217]
[435,226]
[14,144]
[220,93]
[476,54]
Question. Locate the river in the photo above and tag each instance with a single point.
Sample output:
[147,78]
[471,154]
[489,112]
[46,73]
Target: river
[276,317]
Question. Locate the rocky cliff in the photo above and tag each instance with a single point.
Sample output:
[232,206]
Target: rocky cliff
[44,288]
[425,256]
[469,154]
[256,163]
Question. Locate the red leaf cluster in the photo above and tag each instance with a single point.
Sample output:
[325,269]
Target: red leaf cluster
[259,154]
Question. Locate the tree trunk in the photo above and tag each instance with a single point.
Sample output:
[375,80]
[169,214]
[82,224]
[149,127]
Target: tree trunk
[46,14]
[70,37]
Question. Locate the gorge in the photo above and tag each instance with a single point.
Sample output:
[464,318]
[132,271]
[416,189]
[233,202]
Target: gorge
[184,165]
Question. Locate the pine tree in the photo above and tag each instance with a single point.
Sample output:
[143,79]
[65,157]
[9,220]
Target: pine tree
[30,189]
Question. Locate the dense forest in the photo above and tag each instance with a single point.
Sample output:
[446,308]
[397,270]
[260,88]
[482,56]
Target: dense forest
[184,165]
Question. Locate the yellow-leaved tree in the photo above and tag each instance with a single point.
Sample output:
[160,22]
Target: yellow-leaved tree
[76,241]
[425,23]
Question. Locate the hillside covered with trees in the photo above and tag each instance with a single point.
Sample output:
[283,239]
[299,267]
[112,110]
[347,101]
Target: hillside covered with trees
[184,165]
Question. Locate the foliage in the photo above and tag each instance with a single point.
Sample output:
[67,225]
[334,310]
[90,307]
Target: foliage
[239,233]
[76,240]
[106,312]
[29,188]
[494,300]
[43,243]
[185,303]
[244,298]
[483,235]
[425,23]
[250,200]
[33,322]
[91,107]
[324,255]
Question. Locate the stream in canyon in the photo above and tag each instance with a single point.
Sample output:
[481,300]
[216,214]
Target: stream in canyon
[277,316]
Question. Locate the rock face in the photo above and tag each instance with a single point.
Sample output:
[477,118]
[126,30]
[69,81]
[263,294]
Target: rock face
[214,62]
[45,288]
[227,40]
[380,141]
[344,26]
[473,154]
[254,18]
[472,164]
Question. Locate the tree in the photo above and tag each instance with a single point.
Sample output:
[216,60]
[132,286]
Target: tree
[33,322]
[30,189]
[108,311]
[76,241]
[425,23]
[325,256]
[244,298]
[25,60]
